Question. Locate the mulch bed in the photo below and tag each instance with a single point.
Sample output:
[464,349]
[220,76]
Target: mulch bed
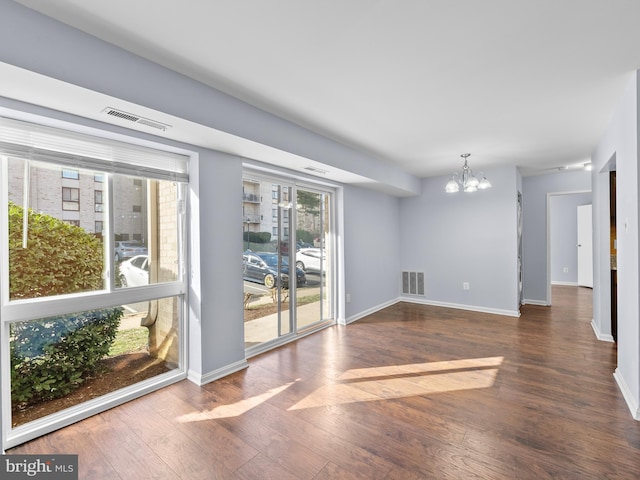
[121,371]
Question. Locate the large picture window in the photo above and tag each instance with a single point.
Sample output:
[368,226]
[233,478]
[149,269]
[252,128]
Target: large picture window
[80,300]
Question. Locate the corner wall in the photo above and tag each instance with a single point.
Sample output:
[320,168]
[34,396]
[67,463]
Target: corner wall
[464,237]
[372,238]
[618,150]
[534,230]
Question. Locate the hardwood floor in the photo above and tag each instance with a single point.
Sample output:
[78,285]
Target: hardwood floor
[410,392]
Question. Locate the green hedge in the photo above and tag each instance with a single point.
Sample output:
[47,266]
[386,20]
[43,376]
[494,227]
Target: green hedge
[51,357]
[60,258]
[256,237]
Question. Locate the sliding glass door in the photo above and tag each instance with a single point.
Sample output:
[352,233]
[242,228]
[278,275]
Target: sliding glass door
[312,256]
[286,260]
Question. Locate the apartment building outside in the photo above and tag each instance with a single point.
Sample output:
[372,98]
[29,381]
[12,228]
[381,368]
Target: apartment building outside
[78,198]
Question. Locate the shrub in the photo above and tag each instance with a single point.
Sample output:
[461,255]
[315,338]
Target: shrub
[257,237]
[305,236]
[51,357]
[60,258]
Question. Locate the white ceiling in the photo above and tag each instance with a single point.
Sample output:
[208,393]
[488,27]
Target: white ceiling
[413,82]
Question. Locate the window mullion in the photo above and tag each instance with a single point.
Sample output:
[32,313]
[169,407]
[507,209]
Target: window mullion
[107,238]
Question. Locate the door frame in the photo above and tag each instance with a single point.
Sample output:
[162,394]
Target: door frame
[301,182]
[548,234]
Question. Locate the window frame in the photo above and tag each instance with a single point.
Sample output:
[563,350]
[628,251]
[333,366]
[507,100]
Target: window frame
[27,309]
[98,195]
[70,174]
[66,202]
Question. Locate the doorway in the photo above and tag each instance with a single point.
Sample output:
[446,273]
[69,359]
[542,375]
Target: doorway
[562,238]
[613,250]
[287,260]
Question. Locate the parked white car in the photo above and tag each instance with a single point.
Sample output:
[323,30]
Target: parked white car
[311,259]
[135,271]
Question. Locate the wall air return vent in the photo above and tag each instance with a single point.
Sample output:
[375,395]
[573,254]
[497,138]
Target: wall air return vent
[130,117]
[413,283]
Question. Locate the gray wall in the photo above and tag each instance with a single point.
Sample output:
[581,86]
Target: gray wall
[372,238]
[534,201]
[563,221]
[456,238]
[620,144]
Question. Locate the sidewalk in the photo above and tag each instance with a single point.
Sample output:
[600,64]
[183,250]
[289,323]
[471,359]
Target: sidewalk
[266,328]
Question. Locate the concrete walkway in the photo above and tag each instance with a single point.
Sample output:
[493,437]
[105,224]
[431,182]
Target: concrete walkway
[266,328]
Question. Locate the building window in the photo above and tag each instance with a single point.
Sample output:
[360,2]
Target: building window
[137,182]
[78,284]
[97,195]
[75,223]
[98,178]
[70,199]
[72,174]
[136,209]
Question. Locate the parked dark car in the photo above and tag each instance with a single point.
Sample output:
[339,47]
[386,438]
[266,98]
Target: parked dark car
[127,249]
[262,267]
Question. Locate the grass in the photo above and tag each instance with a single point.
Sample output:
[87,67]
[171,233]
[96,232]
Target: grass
[301,301]
[130,340]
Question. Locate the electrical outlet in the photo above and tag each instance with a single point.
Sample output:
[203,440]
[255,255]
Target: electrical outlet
[465,285]
[565,270]
[348,298]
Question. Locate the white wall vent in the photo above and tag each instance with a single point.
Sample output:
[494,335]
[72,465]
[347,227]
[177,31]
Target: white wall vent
[316,170]
[130,117]
[413,283]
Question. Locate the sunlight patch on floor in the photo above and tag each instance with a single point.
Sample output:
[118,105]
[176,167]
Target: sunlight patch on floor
[234,409]
[398,381]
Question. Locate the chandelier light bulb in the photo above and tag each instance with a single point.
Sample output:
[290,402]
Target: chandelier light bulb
[466,179]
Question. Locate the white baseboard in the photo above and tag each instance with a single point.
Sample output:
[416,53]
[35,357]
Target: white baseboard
[529,301]
[202,379]
[473,308]
[599,335]
[632,402]
[423,301]
[371,310]
[567,284]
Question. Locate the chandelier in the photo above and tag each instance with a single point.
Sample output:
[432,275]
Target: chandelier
[467,180]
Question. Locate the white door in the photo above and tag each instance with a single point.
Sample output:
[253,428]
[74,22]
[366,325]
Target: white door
[585,247]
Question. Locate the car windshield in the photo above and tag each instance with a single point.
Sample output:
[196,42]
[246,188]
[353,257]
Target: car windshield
[271,259]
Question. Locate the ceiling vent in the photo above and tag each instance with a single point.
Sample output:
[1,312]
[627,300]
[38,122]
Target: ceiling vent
[130,117]
[316,170]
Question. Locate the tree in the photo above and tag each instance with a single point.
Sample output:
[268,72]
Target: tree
[308,202]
